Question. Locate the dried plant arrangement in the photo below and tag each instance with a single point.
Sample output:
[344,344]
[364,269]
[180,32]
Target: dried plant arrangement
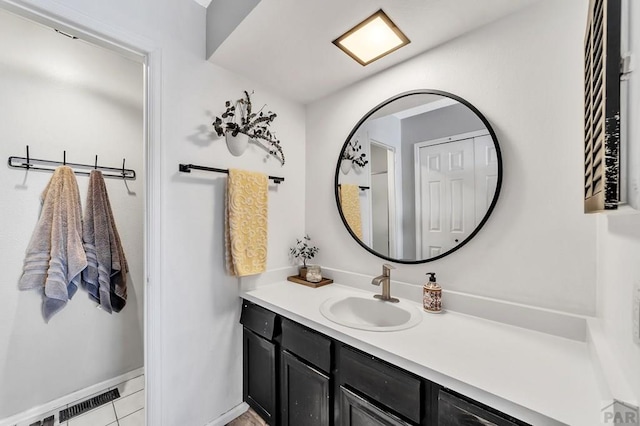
[239,117]
[351,153]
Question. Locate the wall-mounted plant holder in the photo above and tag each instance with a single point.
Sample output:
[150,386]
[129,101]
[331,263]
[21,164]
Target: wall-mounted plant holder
[346,166]
[352,156]
[241,125]
[237,144]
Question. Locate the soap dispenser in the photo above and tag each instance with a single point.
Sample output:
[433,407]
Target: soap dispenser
[432,295]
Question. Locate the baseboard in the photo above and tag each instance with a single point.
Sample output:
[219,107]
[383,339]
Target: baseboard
[235,412]
[544,320]
[39,411]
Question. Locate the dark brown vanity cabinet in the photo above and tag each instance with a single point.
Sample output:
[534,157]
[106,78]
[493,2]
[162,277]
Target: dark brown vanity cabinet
[295,376]
[286,369]
[260,357]
[305,389]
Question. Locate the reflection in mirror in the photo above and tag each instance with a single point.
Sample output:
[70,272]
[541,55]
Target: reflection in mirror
[431,176]
[383,209]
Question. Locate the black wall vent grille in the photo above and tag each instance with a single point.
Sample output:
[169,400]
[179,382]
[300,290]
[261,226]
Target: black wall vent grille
[89,404]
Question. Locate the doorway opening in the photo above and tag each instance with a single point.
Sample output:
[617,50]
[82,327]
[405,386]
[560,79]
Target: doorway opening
[383,200]
[79,97]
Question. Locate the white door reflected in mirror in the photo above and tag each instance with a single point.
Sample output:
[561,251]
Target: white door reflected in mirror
[455,181]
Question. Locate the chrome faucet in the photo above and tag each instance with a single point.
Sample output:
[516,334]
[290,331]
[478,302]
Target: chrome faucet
[385,280]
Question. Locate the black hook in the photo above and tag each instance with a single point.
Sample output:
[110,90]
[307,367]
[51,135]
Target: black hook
[96,164]
[64,158]
[28,161]
[123,175]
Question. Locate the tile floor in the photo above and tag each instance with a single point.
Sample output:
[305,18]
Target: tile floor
[128,410]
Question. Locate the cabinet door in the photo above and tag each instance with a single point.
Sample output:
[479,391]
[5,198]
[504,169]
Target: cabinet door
[259,373]
[454,411]
[305,394]
[357,411]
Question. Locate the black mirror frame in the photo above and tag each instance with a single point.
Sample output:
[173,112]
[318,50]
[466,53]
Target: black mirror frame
[493,201]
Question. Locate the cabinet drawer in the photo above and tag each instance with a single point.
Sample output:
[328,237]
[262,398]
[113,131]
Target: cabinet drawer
[392,387]
[307,344]
[455,411]
[357,411]
[258,319]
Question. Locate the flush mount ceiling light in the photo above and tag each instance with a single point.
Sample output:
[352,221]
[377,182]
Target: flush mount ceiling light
[372,39]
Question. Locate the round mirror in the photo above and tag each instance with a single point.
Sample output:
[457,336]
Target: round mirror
[418,176]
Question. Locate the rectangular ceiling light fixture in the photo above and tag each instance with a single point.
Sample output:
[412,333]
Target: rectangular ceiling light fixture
[372,39]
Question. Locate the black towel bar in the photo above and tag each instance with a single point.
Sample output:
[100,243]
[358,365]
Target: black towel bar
[362,188]
[186,168]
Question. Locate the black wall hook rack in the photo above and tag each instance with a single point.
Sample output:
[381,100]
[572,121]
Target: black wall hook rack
[29,163]
[186,168]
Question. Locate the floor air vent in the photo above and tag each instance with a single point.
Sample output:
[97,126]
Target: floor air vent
[89,404]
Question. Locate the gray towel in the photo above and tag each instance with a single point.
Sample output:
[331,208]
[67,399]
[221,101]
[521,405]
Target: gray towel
[55,255]
[106,275]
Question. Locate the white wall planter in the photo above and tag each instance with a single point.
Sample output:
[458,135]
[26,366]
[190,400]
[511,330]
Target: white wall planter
[345,166]
[237,144]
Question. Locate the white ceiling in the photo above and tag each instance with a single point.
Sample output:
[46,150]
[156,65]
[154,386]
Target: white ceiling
[409,106]
[286,44]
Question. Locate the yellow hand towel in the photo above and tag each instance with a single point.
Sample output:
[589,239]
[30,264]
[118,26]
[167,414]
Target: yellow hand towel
[350,202]
[246,223]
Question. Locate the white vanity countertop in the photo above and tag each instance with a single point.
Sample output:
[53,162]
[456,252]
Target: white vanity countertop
[535,377]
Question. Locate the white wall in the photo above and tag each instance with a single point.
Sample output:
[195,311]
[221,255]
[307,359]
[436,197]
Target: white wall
[50,101]
[201,356]
[619,243]
[618,277]
[524,74]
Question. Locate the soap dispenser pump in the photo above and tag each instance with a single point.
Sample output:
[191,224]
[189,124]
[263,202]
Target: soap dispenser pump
[432,295]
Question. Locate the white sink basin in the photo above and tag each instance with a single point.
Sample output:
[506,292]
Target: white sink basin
[367,313]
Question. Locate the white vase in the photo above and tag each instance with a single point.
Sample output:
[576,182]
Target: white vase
[345,166]
[237,144]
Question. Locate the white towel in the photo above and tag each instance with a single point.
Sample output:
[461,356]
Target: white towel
[55,255]
[106,275]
